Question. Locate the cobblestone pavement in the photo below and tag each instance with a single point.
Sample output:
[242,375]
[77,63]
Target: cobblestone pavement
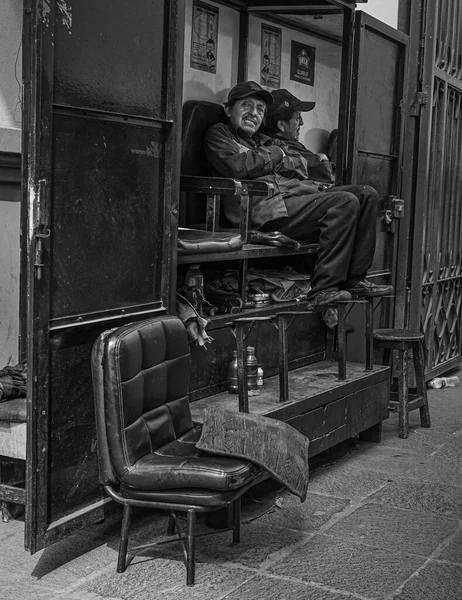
[381,521]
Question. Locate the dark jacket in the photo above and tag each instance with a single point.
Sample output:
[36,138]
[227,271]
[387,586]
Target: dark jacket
[318,170]
[233,153]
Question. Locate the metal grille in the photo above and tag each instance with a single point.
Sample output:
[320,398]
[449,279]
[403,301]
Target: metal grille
[442,273]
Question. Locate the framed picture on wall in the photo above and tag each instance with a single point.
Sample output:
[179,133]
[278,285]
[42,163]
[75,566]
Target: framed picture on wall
[204,37]
[302,60]
[270,65]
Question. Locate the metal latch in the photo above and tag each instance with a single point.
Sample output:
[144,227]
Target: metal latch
[419,100]
[395,211]
[38,264]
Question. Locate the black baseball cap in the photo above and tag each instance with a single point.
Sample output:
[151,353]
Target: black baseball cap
[284,101]
[244,89]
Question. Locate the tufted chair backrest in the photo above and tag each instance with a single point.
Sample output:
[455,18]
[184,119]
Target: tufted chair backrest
[140,381]
[198,116]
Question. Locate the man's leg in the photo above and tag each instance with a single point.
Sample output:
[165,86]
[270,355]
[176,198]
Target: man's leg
[364,244]
[329,218]
[365,238]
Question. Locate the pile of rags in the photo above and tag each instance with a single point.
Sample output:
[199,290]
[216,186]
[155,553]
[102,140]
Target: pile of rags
[13,382]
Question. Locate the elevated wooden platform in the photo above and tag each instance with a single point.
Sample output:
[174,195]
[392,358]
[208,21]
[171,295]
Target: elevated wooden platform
[325,409]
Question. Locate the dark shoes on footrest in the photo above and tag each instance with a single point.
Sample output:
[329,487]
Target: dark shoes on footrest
[331,296]
[367,289]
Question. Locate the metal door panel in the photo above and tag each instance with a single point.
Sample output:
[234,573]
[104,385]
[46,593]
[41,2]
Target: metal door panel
[436,274]
[99,214]
[107,58]
[376,92]
[376,128]
[375,139]
[103,173]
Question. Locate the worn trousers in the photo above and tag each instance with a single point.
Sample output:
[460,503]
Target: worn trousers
[342,220]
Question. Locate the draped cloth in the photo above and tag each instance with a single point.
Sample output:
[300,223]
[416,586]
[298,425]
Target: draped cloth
[269,443]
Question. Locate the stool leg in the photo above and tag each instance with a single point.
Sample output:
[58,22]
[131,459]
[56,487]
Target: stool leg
[403,393]
[418,358]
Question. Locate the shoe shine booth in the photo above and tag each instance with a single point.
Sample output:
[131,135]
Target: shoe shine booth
[106,191]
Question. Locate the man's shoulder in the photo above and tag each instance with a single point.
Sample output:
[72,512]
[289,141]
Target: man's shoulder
[298,147]
[220,128]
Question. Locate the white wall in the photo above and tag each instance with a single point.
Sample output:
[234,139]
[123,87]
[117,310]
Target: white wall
[384,10]
[10,75]
[10,141]
[319,122]
[200,85]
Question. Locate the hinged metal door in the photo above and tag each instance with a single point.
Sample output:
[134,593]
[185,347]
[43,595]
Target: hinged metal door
[99,206]
[436,275]
[376,135]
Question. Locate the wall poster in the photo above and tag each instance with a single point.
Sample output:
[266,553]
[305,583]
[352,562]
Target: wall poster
[302,58]
[270,67]
[204,37]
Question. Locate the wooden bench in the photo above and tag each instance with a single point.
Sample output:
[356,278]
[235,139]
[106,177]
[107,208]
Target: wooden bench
[13,442]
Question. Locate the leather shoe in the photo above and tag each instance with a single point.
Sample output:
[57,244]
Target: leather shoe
[331,296]
[365,288]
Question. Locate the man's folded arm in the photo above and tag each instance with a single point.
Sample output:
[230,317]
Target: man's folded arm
[231,159]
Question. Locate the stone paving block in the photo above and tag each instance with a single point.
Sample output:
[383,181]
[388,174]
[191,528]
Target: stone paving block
[390,460]
[423,441]
[392,528]
[453,551]
[346,480]
[421,497]
[307,516]
[348,566]
[438,469]
[272,588]
[258,546]
[436,581]
[166,580]
[452,449]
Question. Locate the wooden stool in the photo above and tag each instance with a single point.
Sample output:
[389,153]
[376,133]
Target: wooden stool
[402,401]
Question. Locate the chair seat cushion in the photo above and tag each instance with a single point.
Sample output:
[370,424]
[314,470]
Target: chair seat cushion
[179,464]
[196,241]
[397,335]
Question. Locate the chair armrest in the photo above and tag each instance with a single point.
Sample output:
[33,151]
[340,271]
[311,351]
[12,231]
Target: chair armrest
[215,186]
[209,185]
[221,185]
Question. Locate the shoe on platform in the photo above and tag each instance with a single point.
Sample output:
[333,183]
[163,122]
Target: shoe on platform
[325,297]
[367,289]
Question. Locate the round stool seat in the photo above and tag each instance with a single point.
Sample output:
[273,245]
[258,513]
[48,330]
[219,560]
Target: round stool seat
[397,335]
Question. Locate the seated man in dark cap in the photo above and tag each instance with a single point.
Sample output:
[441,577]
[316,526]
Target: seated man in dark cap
[341,219]
[283,121]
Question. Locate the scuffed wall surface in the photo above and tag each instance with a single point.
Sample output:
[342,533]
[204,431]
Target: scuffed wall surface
[10,75]
[9,273]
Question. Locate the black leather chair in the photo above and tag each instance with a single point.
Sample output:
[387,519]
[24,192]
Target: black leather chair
[198,116]
[146,437]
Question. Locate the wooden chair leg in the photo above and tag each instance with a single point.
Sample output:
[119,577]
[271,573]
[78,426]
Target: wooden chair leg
[418,359]
[127,515]
[403,393]
[190,548]
[237,521]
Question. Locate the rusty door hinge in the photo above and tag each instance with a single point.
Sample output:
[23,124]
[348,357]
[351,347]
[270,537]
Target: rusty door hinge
[419,100]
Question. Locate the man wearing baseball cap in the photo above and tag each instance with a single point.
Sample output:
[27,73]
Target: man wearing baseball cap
[283,122]
[342,220]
